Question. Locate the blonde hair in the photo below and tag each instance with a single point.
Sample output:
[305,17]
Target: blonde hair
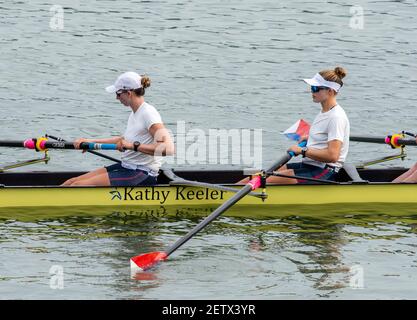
[146,83]
[335,75]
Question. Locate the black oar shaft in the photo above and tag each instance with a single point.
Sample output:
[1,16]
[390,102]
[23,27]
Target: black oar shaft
[243,192]
[225,206]
[304,178]
[382,140]
[56,145]
[11,143]
[278,164]
[47,144]
[90,151]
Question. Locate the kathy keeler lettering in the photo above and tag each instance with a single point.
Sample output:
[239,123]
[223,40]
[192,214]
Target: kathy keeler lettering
[184,193]
[153,194]
[210,309]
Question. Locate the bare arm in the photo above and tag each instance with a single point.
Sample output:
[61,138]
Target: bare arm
[162,146]
[328,155]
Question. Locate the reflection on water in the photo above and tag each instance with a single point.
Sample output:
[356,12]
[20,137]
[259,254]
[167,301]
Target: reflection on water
[248,57]
[267,255]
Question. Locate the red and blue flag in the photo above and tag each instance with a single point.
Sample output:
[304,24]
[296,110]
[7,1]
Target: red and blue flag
[297,130]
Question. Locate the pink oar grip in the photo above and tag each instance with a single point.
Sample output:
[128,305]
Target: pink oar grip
[29,143]
[255,182]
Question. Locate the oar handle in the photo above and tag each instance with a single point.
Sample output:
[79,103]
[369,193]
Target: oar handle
[301,144]
[97,146]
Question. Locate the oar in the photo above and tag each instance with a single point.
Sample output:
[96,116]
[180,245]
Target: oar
[394,140]
[178,181]
[90,151]
[148,260]
[305,178]
[42,144]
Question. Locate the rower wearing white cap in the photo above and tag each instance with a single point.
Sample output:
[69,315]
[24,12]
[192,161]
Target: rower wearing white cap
[144,142]
[328,140]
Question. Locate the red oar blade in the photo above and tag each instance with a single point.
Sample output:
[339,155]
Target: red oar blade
[145,261]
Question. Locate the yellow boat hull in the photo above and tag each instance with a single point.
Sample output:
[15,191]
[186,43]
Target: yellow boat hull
[284,195]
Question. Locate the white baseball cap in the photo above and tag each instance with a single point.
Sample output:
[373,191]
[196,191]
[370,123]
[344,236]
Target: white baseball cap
[319,81]
[126,81]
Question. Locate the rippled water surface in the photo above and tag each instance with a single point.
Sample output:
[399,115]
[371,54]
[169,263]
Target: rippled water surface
[213,64]
[271,256]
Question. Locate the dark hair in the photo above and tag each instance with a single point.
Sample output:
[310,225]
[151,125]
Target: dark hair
[146,83]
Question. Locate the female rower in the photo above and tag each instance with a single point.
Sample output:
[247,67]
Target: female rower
[144,143]
[328,140]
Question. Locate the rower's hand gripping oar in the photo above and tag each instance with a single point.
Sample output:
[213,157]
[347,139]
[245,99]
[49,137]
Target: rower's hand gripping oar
[145,261]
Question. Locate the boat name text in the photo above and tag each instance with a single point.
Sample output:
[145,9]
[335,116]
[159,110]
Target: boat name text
[152,194]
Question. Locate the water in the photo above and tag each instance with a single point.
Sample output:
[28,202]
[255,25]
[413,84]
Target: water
[214,64]
[279,256]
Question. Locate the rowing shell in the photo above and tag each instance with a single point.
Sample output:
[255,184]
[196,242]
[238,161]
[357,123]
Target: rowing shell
[41,189]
